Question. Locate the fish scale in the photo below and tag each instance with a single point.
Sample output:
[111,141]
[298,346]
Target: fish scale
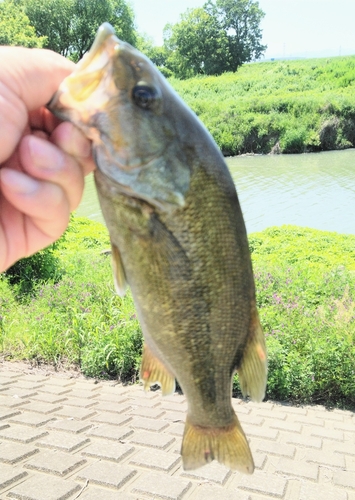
[178,240]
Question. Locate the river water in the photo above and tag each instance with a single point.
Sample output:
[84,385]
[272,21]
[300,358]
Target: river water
[316,190]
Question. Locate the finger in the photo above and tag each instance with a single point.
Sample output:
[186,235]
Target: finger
[71,140]
[44,207]
[45,161]
[20,71]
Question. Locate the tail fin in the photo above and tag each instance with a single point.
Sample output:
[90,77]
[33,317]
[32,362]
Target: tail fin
[228,445]
[252,371]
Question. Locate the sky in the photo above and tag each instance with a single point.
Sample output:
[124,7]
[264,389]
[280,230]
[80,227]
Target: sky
[291,28]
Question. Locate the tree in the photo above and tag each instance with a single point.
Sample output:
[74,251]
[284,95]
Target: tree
[71,25]
[197,44]
[15,27]
[241,21]
[216,38]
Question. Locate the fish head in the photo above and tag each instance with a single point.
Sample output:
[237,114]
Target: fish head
[119,99]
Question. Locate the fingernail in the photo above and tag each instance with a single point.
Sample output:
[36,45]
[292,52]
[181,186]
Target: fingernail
[18,182]
[45,155]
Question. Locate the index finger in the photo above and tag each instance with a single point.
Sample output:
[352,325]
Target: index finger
[28,80]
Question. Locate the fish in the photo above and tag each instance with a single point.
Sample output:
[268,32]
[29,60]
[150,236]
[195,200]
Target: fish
[178,241]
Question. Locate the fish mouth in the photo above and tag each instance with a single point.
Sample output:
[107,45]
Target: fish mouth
[90,86]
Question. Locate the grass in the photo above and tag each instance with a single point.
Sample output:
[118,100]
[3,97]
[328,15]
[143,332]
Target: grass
[305,283]
[280,106]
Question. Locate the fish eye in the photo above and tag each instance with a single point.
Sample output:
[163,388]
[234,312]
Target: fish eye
[144,96]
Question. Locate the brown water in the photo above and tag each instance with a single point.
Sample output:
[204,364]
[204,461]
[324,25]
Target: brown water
[315,190]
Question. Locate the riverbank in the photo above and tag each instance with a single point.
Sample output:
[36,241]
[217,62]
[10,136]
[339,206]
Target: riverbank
[305,283]
[280,106]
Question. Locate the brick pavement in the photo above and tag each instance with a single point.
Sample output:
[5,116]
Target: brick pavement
[72,438]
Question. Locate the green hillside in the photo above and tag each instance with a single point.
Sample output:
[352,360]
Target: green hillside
[286,106]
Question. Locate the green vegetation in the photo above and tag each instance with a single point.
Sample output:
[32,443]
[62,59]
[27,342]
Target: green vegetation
[285,106]
[215,38]
[306,297]
[16,29]
[69,26]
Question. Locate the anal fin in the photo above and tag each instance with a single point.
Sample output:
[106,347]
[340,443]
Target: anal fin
[119,275]
[228,445]
[252,371]
[153,372]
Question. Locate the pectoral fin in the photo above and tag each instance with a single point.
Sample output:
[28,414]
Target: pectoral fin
[119,275]
[154,372]
[252,371]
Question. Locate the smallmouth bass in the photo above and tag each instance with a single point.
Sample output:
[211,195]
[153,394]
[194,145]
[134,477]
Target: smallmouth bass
[178,240]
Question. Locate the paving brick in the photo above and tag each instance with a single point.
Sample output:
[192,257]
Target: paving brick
[9,475]
[153,440]
[303,441]
[213,472]
[69,425]
[56,441]
[298,468]
[311,491]
[174,398]
[27,385]
[286,426]
[115,452]
[148,412]
[111,432]
[49,398]
[143,401]
[112,418]
[34,378]
[264,483]
[261,432]
[81,403]
[278,415]
[310,421]
[76,413]
[107,474]
[325,458]
[40,487]
[113,407]
[296,410]
[148,424]
[208,492]
[328,434]
[12,402]
[11,453]
[21,434]
[259,460]
[346,479]
[77,393]
[331,415]
[61,382]
[93,493]
[176,429]
[283,450]
[19,393]
[348,448]
[55,462]
[172,416]
[345,427]
[31,419]
[45,408]
[88,385]
[251,420]
[56,390]
[8,413]
[4,381]
[155,459]
[241,408]
[158,486]
[167,406]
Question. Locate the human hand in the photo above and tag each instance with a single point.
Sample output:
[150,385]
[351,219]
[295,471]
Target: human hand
[42,160]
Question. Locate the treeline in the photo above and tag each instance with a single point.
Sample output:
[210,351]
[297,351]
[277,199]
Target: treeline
[280,107]
[218,37]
